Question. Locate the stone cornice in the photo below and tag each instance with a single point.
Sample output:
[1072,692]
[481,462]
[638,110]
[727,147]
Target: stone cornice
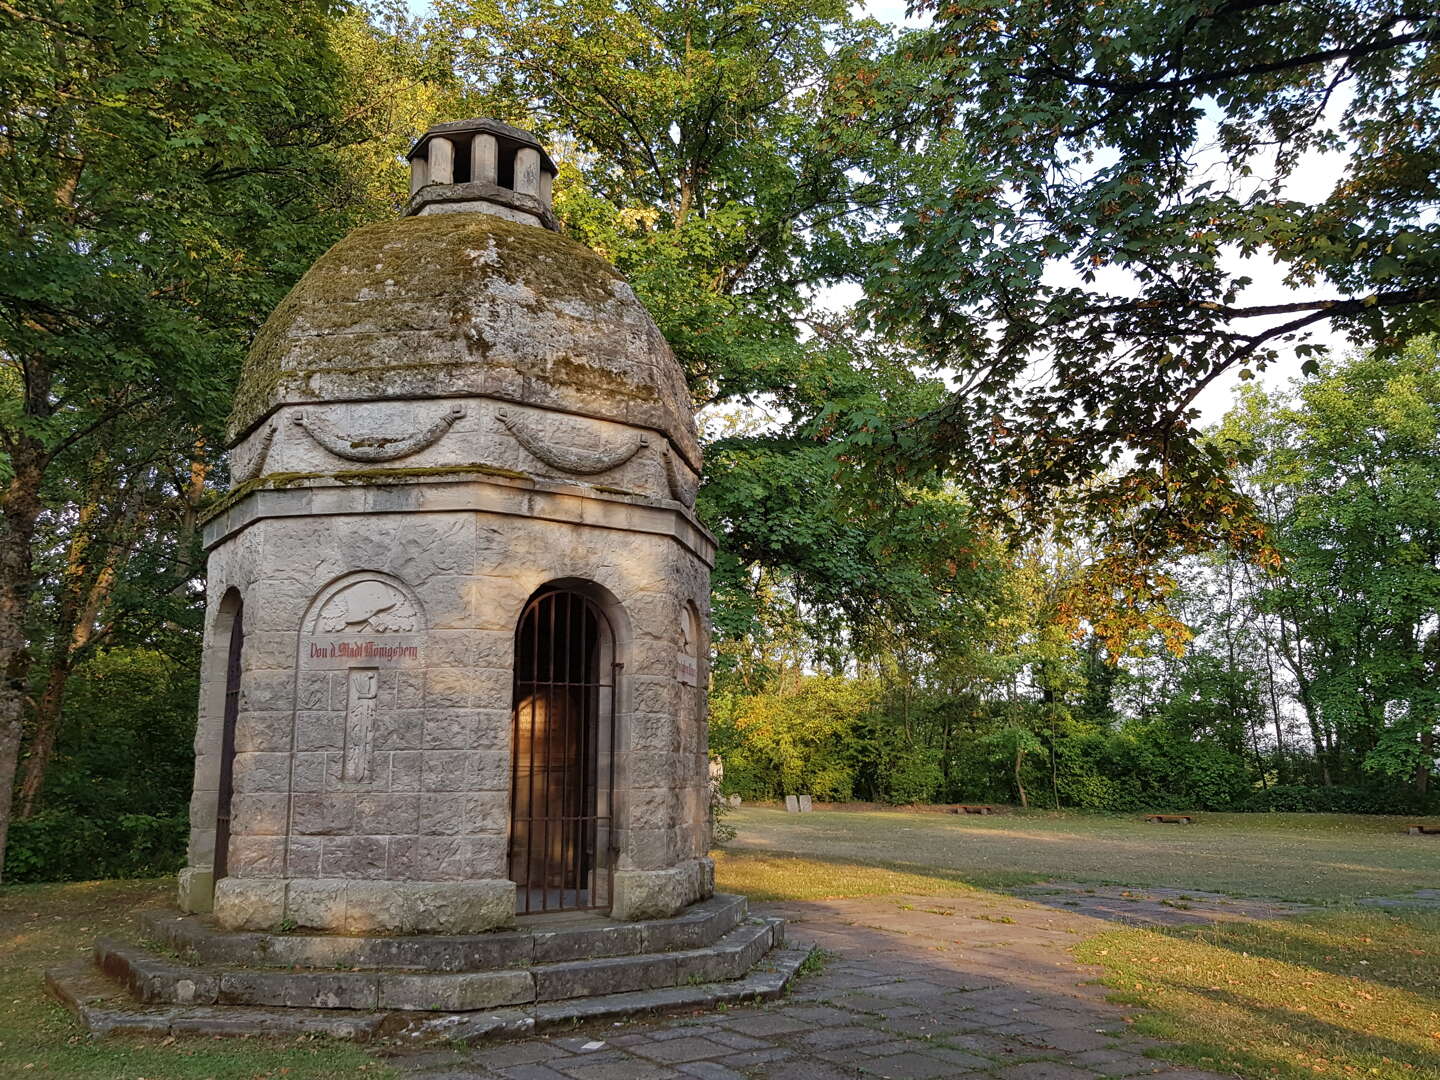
[476,489]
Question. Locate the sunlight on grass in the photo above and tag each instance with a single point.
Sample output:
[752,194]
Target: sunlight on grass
[1335,995]
[794,877]
[43,925]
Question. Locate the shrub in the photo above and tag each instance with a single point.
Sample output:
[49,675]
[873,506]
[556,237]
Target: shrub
[61,845]
[1293,798]
[116,797]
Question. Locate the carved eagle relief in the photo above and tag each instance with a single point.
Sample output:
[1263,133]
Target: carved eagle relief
[367,606]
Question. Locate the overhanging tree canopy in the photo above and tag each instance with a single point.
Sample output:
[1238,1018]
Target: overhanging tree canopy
[1080,272]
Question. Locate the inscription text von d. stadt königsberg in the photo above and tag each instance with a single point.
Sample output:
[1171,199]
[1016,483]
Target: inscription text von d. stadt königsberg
[363,650]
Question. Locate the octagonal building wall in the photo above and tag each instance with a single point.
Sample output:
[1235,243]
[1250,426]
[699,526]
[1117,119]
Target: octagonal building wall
[373,733]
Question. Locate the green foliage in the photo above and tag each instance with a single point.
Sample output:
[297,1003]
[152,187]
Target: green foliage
[1296,798]
[1348,470]
[169,171]
[118,789]
[60,845]
[777,744]
[710,154]
[1077,267]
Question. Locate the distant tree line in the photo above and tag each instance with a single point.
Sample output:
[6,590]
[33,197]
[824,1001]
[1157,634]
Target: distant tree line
[1314,686]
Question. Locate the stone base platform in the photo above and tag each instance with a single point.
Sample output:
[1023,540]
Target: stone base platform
[194,978]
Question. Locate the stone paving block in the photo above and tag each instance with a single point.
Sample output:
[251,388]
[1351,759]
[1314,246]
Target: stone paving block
[884,1048]
[688,1048]
[820,1014]
[1072,1040]
[631,1069]
[735,1040]
[682,1030]
[710,1070]
[834,1038]
[579,1044]
[520,1053]
[1044,1070]
[806,1070]
[632,1040]
[909,1066]
[958,1058]
[532,1071]
[757,1057]
[1113,1062]
[765,1023]
[864,1002]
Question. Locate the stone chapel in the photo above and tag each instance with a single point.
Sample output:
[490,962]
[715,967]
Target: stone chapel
[455,645]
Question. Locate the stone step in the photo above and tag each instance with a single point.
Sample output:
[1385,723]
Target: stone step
[153,979]
[195,939]
[102,1008]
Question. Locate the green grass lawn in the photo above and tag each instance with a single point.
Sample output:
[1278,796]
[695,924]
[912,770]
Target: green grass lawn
[1340,994]
[42,925]
[1337,995]
[1333,995]
[1320,858]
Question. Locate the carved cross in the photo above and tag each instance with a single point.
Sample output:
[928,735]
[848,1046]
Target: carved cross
[360,723]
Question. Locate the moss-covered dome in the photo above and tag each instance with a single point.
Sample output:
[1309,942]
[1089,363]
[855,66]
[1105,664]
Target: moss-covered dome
[466,304]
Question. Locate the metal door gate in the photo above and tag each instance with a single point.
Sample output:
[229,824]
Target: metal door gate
[563,767]
[227,744]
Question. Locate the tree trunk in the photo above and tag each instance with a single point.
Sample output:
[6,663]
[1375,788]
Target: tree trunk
[1427,756]
[1020,787]
[75,629]
[19,510]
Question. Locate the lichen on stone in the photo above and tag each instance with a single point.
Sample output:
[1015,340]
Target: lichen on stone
[417,277]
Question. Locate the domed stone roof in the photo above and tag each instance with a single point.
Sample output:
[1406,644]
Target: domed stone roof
[460,305]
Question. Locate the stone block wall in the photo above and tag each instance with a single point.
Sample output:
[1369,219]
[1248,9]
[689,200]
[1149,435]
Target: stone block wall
[372,747]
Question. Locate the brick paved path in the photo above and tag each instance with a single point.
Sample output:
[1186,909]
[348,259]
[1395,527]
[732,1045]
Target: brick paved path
[915,988]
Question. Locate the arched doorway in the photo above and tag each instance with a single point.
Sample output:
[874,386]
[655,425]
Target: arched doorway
[225,795]
[562,766]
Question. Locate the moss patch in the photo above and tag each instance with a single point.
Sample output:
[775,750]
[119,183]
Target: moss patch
[281,481]
[383,476]
[392,268]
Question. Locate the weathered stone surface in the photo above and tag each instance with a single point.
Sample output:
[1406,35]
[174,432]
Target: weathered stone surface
[591,978]
[445,416]
[464,907]
[354,326]
[195,891]
[249,903]
[654,894]
[700,926]
[459,992]
[317,903]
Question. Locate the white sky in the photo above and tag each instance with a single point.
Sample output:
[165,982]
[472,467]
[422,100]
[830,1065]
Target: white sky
[1315,178]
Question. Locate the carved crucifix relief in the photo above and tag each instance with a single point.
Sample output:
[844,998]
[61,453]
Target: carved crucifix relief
[360,723]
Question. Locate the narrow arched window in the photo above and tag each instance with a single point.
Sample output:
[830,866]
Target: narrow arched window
[232,606]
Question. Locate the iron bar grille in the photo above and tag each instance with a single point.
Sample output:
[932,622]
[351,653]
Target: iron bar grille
[562,762]
[227,745]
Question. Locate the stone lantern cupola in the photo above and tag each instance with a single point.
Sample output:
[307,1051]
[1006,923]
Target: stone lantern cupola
[482,166]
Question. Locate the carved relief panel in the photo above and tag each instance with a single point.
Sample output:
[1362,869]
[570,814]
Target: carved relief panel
[362,630]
